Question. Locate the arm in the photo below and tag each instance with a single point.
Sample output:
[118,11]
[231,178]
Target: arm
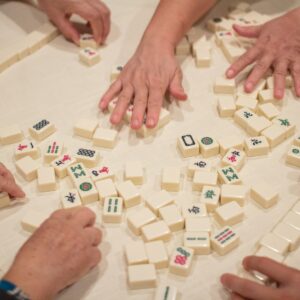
[61,251]
[153,69]
[277,46]
[287,279]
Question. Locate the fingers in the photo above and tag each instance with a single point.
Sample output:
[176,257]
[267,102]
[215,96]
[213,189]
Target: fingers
[242,62]
[247,288]
[9,186]
[84,217]
[235,296]
[295,71]
[95,257]
[280,72]
[271,268]
[111,93]
[156,98]
[175,88]
[248,31]
[66,27]
[139,107]
[94,235]
[122,104]
[258,71]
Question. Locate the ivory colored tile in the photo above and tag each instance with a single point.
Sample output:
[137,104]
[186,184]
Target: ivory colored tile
[134,172]
[137,219]
[61,164]
[293,156]
[233,192]
[85,128]
[275,134]
[142,276]
[87,40]
[229,175]
[228,142]
[193,210]
[77,172]
[157,254]
[243,116]
[106,188]
[296,140]
[27,148]
[115,73]
[158,230]
[70,198]
[267,96]
[46,179]
[275,243]
[53,150]
[232,50]
[257,124]
[244,101]
[226,106]
[89,157]
[234,157]
[291,261]
[198,241]
[288,233]
[172,216]
[198,164]
[203,58]
[32,220]
[202,178]
[208,146]
[296,208]
[135,253]
[221,36]
[166,292]
[89,56]
[130,194]
[42,130]
[181,261]
[224,86]
[188,145]
[268,252]
[268,110]
[102,172]
[292,219]
[286,124]
[106,138]
[264,194]
[257,146]
[87,191]
[112,210]
[171,179]
[10,134]
[4,199]
[210,197]
[183,47]
[27,167]
[229,214]
[158,200]
[198,224]
[224,240]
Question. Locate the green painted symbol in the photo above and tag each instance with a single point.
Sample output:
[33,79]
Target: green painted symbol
[85,186]
[210,194]
[207,140]
[296,151]
[284,122]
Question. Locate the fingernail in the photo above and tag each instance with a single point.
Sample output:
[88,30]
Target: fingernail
[249,87]
[150,122]
[279,94]
[230,73]
[135,123]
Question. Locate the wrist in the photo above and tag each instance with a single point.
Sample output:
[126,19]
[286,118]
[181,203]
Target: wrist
[34,287]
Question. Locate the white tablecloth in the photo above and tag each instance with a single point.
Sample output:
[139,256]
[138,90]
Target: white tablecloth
[53,84]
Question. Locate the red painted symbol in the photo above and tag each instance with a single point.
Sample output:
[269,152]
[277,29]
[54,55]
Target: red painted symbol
[180,259]
[232,158]
[22,147]
[104,170]
[66,157]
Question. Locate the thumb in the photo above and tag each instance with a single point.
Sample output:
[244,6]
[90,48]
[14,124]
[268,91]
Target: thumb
[11,188]
[66,28]
[248,31]
[175,88]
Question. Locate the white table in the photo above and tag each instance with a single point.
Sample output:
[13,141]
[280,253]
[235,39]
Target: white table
[53,84]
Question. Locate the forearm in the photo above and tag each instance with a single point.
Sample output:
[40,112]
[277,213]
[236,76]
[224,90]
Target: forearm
[172,19]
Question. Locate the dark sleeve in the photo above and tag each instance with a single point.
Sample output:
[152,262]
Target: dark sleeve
[4,296]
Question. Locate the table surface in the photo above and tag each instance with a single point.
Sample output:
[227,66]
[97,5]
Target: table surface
[52,83]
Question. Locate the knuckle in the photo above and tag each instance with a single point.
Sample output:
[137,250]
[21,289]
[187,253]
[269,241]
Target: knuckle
[261,65]
[57,214]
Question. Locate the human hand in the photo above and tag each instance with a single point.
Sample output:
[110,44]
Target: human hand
[144,80]
[61,251]
[8,183]
[93,11]
[277,46]
[288,281]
